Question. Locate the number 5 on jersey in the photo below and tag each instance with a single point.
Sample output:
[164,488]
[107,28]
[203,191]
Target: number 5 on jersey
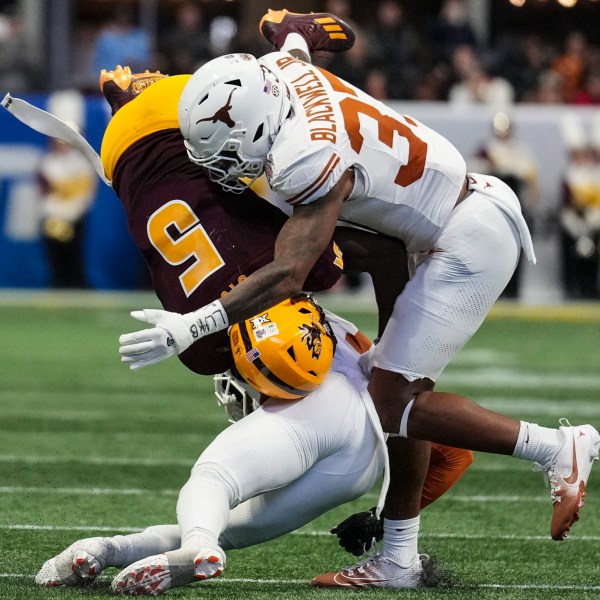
[190,242]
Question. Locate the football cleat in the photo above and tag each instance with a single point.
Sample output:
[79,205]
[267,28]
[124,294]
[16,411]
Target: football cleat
[121,85]
[376,571]
[147,577]
[156,574]
[78,565]
[209,563]
[568,474]
[321,31]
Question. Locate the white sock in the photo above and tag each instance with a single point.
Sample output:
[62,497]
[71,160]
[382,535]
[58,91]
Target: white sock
[153,540]
[400,540]
[294,41]
[539,444]
[203,507]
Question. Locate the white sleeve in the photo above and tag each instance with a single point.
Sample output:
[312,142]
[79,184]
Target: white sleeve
[309,177]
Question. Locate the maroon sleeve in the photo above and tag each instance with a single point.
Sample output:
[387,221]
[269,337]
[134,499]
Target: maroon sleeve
[327,270]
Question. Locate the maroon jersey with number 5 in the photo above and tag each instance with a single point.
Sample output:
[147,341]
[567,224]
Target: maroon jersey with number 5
[198,241]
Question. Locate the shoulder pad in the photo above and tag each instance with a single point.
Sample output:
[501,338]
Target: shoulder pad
[306,177]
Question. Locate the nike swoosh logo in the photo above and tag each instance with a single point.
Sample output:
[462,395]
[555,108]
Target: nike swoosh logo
[346,580]
[572,478]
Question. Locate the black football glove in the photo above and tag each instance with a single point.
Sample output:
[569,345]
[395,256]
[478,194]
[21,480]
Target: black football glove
[359,532]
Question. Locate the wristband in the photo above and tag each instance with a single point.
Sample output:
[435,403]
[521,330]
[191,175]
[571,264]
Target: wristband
[206,320]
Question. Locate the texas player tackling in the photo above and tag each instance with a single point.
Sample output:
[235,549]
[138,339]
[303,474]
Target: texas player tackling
[182,222]
[334,153]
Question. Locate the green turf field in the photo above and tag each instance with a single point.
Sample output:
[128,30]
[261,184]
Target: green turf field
[88,447]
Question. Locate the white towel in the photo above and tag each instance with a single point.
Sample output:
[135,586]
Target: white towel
[500,195]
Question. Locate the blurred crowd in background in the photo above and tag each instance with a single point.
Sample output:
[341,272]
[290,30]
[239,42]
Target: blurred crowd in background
[438,59]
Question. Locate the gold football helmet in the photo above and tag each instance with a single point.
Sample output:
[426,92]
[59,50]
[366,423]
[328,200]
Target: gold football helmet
[286,351]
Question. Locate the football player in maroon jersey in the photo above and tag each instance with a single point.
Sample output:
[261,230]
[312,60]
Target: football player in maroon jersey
[199,243]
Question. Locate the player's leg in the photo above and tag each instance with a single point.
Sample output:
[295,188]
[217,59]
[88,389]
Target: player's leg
[440,309]
[432,319]
[419,340]
[85,559]
[344,475]
[268,450]
[446,466]
[459,295]
[442,306]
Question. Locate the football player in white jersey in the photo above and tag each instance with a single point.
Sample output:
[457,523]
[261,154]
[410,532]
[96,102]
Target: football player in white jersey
[289,461]
[335,153]
[275,470]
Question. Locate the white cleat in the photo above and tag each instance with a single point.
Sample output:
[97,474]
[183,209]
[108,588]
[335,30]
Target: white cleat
[209,562]
[50,576]
[78,565]
[147,577]
[156,574]
[568,474]
[86,565]
[376,572]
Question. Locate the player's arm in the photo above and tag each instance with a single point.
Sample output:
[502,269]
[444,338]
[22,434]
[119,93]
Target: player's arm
[299,244]
[301,241]
[383,258]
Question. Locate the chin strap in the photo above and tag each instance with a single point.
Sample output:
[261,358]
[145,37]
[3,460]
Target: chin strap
[47,124]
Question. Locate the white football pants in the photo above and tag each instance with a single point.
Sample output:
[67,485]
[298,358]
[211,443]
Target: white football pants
[282,466]
[454,285]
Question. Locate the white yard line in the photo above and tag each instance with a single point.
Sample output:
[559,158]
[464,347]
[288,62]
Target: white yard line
[305,533]
[16,489]
[490,378]
[305,582]
[82,491]
[97,460]
[28,527]
[33,459]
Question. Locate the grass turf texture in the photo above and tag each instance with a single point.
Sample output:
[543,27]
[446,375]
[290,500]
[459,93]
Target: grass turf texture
[85,443]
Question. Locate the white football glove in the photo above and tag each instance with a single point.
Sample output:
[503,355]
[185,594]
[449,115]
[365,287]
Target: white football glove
[173,333]
[148,346]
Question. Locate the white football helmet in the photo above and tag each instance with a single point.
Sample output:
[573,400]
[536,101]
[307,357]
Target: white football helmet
[229,114]
[237,397]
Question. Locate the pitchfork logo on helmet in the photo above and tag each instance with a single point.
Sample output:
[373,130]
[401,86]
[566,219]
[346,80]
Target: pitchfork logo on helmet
[288,355]
[230,111]
[311,336]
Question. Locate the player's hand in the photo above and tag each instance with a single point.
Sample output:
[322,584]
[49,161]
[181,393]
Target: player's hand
[359,532]
[148,346]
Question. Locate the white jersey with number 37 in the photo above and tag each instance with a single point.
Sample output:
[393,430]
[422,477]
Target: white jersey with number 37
[408,176]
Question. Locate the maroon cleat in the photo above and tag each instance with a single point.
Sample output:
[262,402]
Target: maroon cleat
[121,85]
[321,31]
